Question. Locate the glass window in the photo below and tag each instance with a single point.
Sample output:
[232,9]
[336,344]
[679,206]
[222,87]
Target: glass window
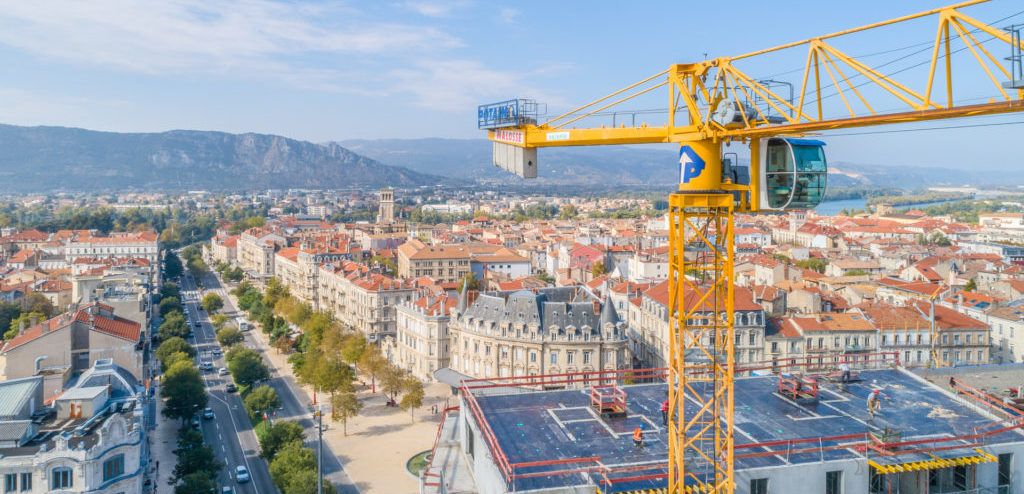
[758,486]
[554,357]
[10,482]
[60,478]
[113,467]
[26,481]
[834,482]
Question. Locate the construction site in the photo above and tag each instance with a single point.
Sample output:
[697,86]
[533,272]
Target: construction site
[795,433]
[704,424]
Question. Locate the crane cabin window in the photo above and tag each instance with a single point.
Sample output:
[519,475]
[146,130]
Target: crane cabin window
[795,173]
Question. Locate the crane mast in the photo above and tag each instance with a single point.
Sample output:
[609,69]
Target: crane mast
[712,103]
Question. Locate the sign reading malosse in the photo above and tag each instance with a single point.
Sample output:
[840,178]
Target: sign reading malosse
[509,136]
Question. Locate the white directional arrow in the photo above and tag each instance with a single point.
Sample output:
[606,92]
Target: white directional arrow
[684,161]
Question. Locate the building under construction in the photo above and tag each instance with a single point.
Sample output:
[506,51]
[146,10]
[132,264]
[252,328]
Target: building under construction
[794,433]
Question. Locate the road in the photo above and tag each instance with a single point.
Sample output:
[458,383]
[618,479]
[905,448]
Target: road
[292,408]
[229,432]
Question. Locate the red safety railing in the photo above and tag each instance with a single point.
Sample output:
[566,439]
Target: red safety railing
[433,448]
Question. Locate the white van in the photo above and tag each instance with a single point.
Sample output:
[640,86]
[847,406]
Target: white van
[243,325]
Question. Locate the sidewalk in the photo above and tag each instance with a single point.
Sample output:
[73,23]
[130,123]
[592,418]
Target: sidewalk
[380,439]
[164,440]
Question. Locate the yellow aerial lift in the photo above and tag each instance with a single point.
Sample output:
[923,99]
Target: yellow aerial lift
[712,103]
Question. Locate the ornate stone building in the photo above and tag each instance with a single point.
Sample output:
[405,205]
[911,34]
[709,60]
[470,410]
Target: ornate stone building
[527,333]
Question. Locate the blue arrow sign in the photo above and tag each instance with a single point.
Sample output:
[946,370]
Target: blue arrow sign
[690,164]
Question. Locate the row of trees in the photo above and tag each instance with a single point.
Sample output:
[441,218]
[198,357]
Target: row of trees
[185,395]
[326,353]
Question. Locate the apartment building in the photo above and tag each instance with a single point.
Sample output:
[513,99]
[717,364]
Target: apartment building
[651,338]
[256,248]
[831,337]
[361,298]
[144,244]
[528,333]
[422,340]
[225,250]
[442,263]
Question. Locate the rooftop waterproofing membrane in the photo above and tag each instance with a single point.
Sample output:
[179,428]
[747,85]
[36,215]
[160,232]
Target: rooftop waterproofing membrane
[556,439]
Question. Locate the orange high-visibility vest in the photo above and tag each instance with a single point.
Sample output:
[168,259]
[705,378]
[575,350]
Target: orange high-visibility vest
[638,434]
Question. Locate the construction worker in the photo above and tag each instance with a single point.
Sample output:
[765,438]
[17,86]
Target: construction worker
[664,413]
[846,372]
[638,436]
[874,403]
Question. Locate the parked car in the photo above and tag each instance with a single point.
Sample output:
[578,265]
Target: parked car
[206,366]
[241,474]
[227,490]
[217,352]
[231,387]
[195,422]
[223,371]
[208,413]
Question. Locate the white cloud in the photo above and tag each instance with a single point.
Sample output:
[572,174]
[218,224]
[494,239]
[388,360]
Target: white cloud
[194,35]
[434,8]
[509,15]
[455,85]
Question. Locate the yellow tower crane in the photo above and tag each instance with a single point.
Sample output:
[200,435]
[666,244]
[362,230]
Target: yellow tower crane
[712,103]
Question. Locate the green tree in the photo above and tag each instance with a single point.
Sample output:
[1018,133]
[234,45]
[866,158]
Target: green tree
[38,303]
[392,380]
[212,302]
[233,274]
[856,272]
[814,264]
[259,399]
[247,367]
[372,365]
[170,290]
[197,267]
[25,317]
[174,325]
[9,311]
[229,336]
[568,212]
[597,269]
[970,286]
[354,346]
[175,358]
[168,305]
[172,266]
[413,397]
[290,461]
[184,391]
[174,345]
[275,291]
[194,457]
[282,433]
[469,281]
[197,482]
[219,320]
[345,406]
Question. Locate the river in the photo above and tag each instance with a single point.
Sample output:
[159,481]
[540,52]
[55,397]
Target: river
[832,208]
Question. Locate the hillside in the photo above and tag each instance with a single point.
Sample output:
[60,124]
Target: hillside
[60,158]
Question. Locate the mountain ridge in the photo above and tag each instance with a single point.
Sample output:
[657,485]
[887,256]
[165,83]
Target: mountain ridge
[71,158]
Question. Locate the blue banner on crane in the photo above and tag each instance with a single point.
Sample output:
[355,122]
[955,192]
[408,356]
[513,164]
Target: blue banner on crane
[497,115]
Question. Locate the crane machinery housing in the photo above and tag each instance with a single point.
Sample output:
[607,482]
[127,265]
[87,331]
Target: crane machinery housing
[714,103]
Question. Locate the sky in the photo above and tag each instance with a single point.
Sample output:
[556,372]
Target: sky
[337,70]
